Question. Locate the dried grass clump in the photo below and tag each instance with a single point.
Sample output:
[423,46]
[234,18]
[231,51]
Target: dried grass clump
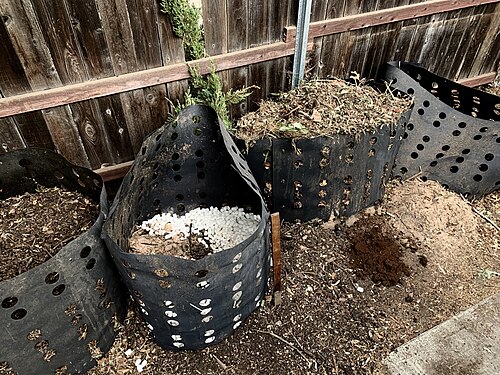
[323,108]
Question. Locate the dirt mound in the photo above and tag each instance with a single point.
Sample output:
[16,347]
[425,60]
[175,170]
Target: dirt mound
[439,221]
[377,252]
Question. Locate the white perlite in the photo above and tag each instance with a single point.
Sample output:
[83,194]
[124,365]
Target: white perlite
[217,228]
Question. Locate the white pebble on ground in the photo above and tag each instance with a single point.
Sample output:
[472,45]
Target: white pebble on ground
[222,228]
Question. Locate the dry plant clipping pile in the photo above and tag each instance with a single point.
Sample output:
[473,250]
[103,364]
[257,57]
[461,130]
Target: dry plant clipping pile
[322,108]
[35,226]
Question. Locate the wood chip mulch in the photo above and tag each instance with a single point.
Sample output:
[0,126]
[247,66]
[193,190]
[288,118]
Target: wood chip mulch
[35,226]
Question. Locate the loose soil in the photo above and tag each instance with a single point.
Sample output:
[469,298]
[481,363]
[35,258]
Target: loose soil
[323,107]
[141,242]
[35,226]
[342,311]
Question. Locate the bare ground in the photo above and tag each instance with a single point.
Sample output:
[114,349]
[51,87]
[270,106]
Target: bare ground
[35,226]
[431,257]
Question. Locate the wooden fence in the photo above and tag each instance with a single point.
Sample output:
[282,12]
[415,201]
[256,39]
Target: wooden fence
[91,79]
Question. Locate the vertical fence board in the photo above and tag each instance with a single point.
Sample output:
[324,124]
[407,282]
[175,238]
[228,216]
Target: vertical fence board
[89,35]
[120,41]
[10,138]
[104,132]
[277,21]
[172,52]
[26,36]
[148,52]
[490,47]
[258,24]
[13,81]
[67,138]
[237,39]
[484,18]
[26,33]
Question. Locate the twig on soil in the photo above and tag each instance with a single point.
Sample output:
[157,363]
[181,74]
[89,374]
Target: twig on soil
[415,175]
[480,213]
[221,364]
[301,353]
[485,218]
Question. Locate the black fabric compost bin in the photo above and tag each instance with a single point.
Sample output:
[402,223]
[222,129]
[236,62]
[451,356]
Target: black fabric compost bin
[319,177]
[51,314]
[453,134]
[190,163]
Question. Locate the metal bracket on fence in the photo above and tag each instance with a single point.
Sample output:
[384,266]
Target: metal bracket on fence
[299,58]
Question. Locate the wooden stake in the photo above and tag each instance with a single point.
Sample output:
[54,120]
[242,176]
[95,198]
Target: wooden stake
[276,243]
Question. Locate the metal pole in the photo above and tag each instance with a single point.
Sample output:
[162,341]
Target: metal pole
[299,58]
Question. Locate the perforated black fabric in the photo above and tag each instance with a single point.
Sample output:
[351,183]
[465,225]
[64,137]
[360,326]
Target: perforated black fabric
[453,134]
[51,313]
[190,163]
[324,176]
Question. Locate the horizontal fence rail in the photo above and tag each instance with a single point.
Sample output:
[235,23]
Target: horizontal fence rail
[382,17]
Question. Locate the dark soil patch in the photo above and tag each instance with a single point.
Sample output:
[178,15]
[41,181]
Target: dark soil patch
[323,107]
[35,226]
[377,252]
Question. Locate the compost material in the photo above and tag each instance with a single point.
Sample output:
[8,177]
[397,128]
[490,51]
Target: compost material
[333,317]
[35,226]
[323,108]
[196,234]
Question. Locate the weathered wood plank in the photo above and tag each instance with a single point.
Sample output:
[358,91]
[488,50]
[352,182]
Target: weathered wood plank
[258,23]
[65,134]
[320,10]
[120,40]
[26,33]
[118,34]
[215,26]
[145,32]
[479,33]
[490,47]
[277,72]
[34,130]
[336,48]
[104,136]
[78,43]
[57,32]
[88,31]
[237,39]
[114,172]
[132,81]
[436,34]
[151,106]
[380,17]
[113,119]
[385,45]
[13,81]
[10,137]
[172,52]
